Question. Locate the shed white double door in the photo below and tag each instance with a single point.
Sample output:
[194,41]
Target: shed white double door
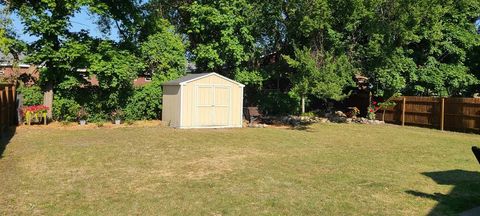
[213,105]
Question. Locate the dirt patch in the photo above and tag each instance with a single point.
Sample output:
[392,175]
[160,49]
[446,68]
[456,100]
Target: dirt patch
[217,164]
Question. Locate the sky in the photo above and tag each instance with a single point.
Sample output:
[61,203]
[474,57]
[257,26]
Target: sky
[81,20]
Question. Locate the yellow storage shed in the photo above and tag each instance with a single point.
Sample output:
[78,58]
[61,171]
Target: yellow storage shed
[204,100]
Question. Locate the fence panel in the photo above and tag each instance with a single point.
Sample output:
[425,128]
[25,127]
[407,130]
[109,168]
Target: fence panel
[456,114]
[8,111]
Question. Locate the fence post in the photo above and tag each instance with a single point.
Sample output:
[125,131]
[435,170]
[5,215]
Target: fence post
[8,106]
[442,115]
[13,107]
[2,113]
[403,111]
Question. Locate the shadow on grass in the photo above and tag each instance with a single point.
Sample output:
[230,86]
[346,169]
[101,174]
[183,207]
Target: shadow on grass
[302,127]
[465,194]
[5,138]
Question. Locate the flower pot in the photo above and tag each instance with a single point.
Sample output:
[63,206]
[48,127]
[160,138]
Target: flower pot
[83,122]
[117,121]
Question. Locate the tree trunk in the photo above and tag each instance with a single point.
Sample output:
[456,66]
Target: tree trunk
[48,98]
[303,104]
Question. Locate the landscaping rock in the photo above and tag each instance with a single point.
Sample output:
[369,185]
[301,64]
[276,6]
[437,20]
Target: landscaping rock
[323,120]
[340,117]
[301,120]
[337,117]
[258,125]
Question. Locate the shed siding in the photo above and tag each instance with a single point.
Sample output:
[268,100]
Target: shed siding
[171,105]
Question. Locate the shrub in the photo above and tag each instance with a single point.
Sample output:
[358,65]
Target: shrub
[31,95]
[97,116]
[117,114]
[145,103]
[277,103]
[65,109]
[82,114]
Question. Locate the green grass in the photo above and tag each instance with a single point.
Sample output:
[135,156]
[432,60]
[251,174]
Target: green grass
[328,169]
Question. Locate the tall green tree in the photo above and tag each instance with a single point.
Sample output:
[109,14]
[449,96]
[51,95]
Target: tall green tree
[324,77]
[164,54]
[220,34]
[164,51]
[115,70]
[49,21]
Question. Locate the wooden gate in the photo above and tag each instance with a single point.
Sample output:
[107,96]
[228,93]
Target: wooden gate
[8,113]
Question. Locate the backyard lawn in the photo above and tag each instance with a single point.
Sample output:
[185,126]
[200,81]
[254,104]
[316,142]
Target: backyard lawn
[339,169]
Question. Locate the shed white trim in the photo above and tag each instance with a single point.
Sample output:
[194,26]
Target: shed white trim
[241,106]
[181,106]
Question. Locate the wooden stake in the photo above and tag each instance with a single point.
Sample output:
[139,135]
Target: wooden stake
[383,115]
[442,115]
[403,111]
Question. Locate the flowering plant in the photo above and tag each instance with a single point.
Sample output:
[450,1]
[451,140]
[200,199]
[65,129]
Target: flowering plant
[35,112]
[82,114]
[371,113]
[372,109]
[117,114]
[35,108]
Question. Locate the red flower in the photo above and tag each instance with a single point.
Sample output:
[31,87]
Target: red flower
[371,110]
[35,108]
[374,103]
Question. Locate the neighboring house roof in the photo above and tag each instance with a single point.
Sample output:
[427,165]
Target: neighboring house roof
[192,77]
[7,60]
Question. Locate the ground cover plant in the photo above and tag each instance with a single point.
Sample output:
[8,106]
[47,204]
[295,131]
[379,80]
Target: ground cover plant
[329,169]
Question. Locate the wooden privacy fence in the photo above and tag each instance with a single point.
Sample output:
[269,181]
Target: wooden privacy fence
[456,114]
[8,113]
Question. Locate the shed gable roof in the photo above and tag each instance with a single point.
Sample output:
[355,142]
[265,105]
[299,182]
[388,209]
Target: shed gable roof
[192,77]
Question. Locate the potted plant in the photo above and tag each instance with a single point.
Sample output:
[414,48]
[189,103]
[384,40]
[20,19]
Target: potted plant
[82,116]
[117,116]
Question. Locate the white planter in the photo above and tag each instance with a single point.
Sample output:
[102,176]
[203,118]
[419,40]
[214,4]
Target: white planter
[118,121]
[83,122]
